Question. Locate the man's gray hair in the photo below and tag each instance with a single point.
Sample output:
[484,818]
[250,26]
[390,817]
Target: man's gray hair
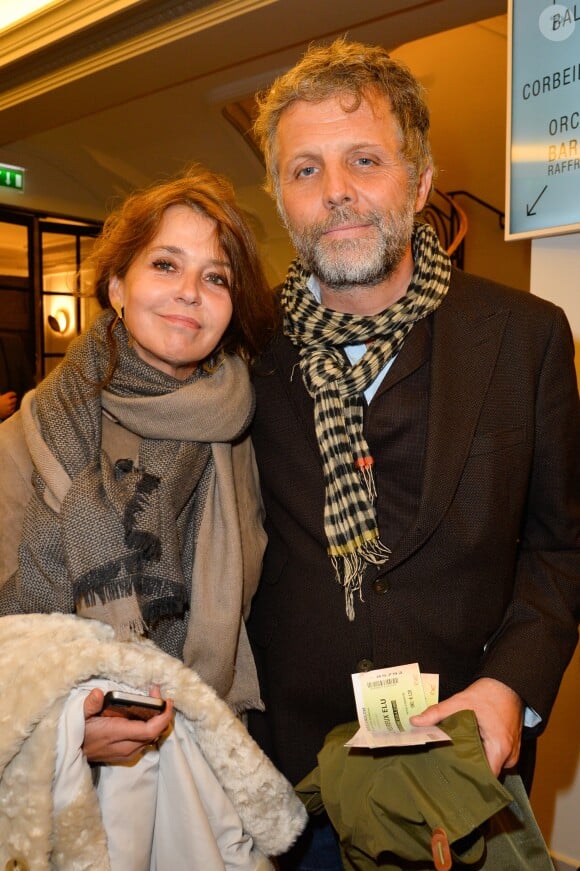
[352,71]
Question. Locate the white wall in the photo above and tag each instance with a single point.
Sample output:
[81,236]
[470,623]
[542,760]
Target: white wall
[555,275]
[555,271]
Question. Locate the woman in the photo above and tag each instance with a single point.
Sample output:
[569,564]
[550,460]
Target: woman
[144,509]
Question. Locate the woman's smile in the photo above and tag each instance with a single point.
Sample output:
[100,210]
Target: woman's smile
[176,293]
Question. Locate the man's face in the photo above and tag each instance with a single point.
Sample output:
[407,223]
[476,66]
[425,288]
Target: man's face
[344,190]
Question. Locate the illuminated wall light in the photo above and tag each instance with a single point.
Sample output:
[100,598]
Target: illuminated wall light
[59,321]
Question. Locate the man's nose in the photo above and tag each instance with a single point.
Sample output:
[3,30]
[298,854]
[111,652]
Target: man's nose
[338,187]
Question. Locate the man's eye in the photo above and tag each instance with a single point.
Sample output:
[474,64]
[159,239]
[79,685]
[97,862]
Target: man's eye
[364,161]
[163,265]
[306,171]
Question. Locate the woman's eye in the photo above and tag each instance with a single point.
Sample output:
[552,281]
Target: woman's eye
[163,265]
[216,278]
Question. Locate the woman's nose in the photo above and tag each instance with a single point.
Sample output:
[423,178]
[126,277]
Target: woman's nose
[190,290]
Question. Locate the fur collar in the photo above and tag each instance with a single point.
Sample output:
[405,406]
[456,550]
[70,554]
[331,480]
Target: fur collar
[43,657]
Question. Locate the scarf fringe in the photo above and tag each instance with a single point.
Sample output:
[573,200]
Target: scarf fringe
[93,588]
[105,585]
[349,569]
[368,480]
[133,630]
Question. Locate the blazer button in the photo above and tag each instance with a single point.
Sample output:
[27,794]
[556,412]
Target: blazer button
[365,665]
[381,585]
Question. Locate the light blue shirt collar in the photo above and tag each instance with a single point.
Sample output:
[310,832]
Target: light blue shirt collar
[353,352]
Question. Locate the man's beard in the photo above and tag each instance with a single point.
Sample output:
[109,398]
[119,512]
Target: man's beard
[341,264]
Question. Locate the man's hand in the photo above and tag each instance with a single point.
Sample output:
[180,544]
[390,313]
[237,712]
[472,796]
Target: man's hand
[499,713]
[7,404]
[118,739]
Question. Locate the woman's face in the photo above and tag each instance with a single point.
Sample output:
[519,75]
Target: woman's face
[176,293]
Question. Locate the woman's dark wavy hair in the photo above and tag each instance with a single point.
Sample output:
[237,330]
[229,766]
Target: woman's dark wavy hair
[131,227]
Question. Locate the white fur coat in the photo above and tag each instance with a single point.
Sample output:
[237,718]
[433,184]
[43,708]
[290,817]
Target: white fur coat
[42,658]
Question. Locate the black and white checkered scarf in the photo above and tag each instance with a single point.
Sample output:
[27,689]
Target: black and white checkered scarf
[337,388]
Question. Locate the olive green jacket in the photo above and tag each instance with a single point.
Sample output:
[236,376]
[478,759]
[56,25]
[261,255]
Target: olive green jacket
[435,806]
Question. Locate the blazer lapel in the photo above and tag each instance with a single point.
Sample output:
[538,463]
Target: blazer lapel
[465,344]
[287,365]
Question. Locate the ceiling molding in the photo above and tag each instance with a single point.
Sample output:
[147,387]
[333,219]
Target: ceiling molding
[55,22]
[119,36]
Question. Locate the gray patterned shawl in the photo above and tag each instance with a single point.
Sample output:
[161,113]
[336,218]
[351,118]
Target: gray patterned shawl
[127,539]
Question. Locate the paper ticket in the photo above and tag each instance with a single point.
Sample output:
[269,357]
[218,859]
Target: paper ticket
[430,688]
[386,698]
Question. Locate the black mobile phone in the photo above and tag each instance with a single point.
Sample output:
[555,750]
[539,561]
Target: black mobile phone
[133,706]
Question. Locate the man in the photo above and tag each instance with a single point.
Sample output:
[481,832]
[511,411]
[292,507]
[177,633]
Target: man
[417,434]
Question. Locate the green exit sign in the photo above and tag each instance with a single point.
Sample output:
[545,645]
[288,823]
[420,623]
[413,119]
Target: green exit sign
[11,177]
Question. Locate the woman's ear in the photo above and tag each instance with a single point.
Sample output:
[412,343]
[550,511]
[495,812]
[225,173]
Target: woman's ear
[116,295]
[424,188]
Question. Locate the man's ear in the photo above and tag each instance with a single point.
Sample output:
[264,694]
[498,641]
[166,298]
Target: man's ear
[424,188]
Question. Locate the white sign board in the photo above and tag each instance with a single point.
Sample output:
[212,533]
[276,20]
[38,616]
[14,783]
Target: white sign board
[543,160]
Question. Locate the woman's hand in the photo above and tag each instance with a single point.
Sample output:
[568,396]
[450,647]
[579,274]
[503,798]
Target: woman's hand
[7,404]
[118,739]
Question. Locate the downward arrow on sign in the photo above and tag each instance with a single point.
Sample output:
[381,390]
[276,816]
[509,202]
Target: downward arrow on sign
[530,209]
